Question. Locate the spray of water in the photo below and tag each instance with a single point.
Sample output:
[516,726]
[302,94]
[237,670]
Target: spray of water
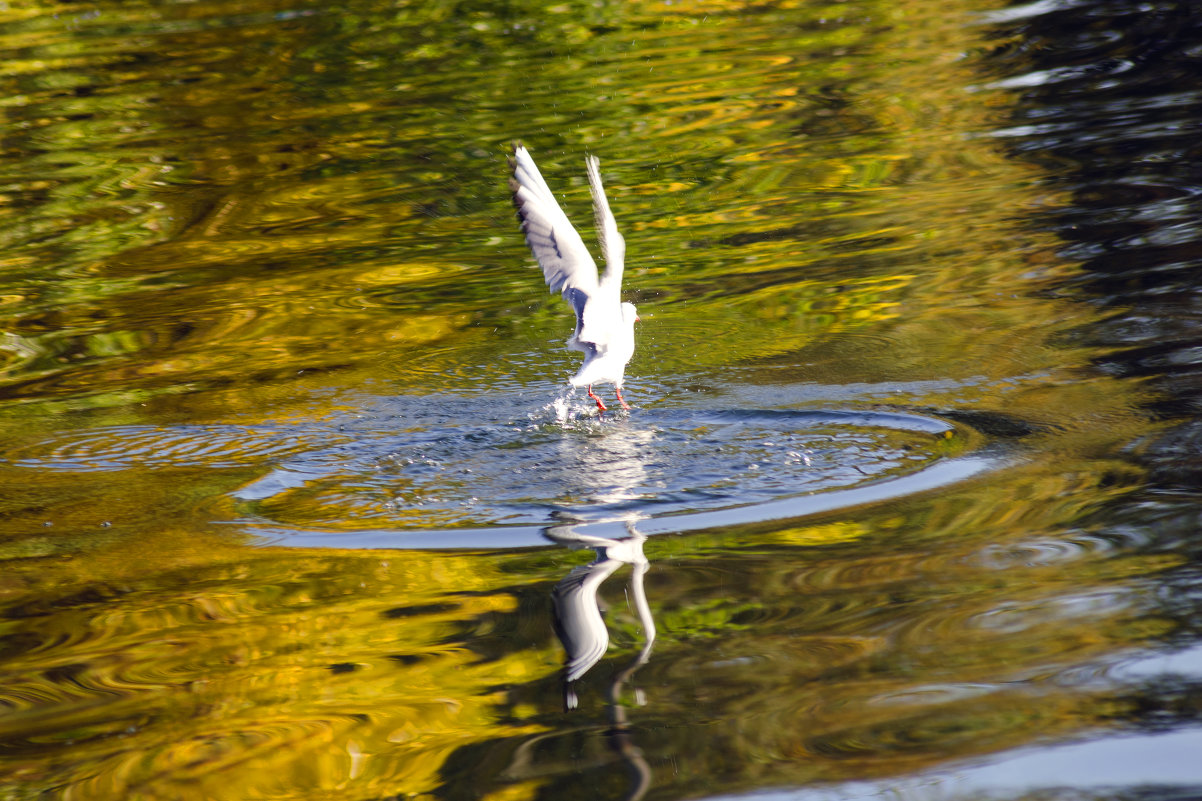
[570,411]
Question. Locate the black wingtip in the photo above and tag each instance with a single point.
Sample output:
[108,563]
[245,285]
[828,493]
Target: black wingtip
[514,186]
[513,151]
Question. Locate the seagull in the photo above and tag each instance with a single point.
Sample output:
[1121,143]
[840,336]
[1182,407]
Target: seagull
[604,324]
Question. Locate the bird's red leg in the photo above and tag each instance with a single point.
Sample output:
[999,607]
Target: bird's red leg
[621,400]
[600,405]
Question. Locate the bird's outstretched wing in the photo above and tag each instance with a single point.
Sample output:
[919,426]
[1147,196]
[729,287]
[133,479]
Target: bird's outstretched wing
[560,251]
[613,246]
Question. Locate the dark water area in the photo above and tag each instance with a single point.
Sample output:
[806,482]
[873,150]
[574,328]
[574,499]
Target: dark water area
[296,504]
[1111,118]
[1109,105]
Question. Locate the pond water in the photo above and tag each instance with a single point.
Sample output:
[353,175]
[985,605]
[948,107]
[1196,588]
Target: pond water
[296,502]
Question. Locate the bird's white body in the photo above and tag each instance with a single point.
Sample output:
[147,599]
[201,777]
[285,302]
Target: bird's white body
[604,324]
[608,366]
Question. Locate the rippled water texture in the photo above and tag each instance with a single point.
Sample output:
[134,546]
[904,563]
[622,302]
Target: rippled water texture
[418,465]
[295,501]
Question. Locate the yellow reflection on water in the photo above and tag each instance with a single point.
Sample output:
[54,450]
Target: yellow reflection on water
[217,668]
[249,213]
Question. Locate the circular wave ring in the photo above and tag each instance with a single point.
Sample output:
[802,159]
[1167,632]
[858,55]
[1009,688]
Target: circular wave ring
[664,470]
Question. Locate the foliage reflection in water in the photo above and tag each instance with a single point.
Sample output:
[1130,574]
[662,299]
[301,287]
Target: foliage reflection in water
[260,276]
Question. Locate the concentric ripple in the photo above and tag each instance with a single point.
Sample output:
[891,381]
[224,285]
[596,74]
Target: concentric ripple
[413,469]
[124,447]
[652,464]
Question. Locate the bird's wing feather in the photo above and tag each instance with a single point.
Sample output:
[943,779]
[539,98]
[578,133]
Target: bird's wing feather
[578,300]
[556,245]
[613,246]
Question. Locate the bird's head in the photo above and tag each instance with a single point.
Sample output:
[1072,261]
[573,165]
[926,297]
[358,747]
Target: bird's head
[630,314]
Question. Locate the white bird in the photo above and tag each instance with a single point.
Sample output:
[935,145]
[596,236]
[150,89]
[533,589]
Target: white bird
[604,324]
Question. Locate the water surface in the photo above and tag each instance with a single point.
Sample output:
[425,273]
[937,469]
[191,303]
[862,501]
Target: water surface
[296,504]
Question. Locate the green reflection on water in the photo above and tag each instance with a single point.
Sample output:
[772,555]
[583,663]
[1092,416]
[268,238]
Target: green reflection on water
[222,212]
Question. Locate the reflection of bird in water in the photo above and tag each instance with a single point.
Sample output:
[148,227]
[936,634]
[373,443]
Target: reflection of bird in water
[611,471]
[604,324]
[577,614]
[578,623]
